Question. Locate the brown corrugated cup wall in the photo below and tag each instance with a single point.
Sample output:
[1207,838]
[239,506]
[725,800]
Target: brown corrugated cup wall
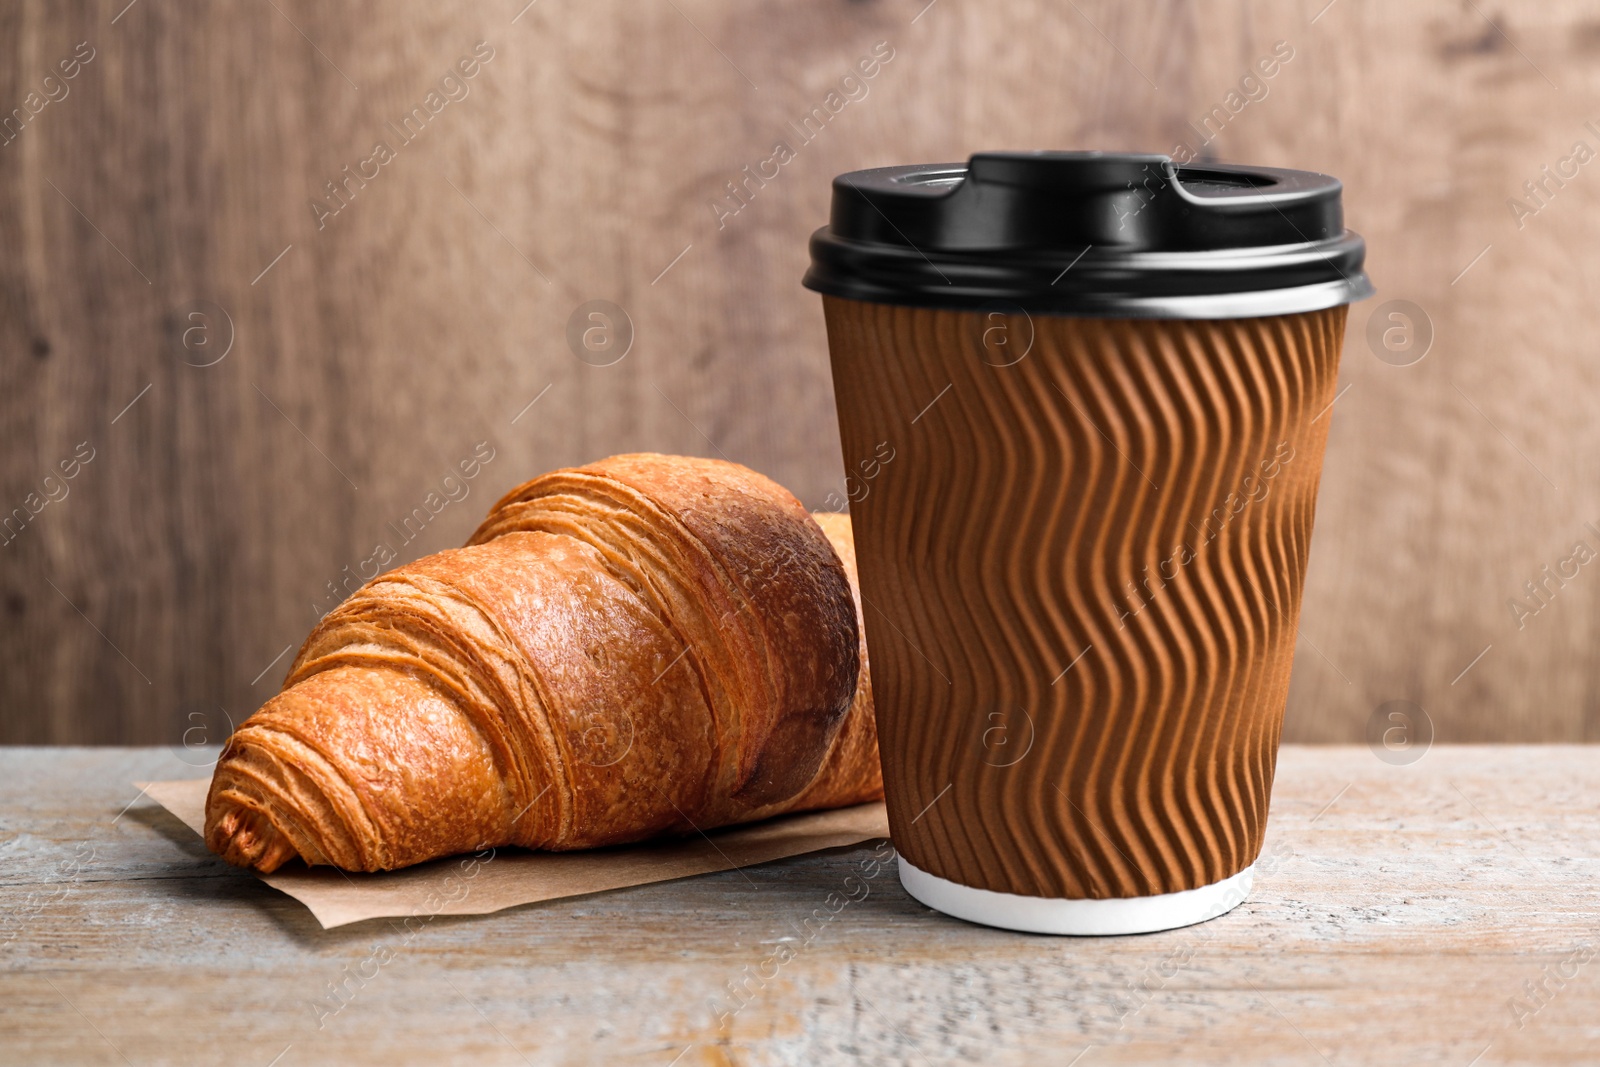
[1082,546]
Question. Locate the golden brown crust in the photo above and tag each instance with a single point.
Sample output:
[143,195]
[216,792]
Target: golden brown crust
[851,773]
[777,593]
[645,645]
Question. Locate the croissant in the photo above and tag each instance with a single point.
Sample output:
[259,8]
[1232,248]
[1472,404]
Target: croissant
[647,645]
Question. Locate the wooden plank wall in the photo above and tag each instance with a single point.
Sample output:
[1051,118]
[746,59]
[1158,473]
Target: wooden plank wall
[156,213]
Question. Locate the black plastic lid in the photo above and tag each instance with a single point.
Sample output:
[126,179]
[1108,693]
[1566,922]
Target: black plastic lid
[1090,233]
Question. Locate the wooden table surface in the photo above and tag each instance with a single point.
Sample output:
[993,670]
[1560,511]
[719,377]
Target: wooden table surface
[1443,912]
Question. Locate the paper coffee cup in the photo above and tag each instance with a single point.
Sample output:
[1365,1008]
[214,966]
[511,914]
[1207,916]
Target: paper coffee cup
[1083,401]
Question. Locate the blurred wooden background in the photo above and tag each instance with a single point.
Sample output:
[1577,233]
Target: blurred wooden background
[156,214]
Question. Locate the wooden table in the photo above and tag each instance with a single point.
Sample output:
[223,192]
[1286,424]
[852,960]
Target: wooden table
[1402,914]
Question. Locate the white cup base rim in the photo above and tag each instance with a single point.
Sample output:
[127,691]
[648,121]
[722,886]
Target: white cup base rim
[1083,918]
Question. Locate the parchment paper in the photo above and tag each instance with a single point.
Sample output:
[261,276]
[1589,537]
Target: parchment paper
[488,881]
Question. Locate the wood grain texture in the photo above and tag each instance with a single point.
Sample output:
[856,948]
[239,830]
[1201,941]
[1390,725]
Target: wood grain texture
[1399,916]
[590,159]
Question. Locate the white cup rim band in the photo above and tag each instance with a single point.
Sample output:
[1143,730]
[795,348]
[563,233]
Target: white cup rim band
[1088,918]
